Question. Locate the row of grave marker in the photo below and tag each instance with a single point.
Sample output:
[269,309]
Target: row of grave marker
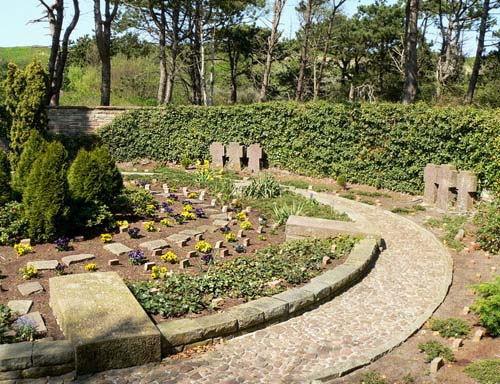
[443,181]
[234,154]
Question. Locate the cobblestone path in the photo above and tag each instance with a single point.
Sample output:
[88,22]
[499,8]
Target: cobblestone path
[408,282]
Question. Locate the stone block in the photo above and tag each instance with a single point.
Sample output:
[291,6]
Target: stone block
[219,216]
[247,316]
[46,371]
[217,152]
[191,254]
[466,189]
[223,252]
[241,233]
[154,244]
[430,183]
[56,352]
[118,249]
[114,262]
[436,364]
[299,227]
[27,289]
[219,244]
[478,335]
[457,343]
[178,238]
[190,232]
[157,252]
[78,239]
[297,299]
[149,266]
[271,307]
[68,260]
[20,307]
[179,332]
[208,228]
[234,153]
[220,223]
[15,356]
[185,264]
[245,242]
[43,264]
[320,290]
[254,154]
[219,324]
[447,179]
[104,322]
[25,242]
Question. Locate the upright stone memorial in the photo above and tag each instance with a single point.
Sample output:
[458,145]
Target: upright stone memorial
[447,179]
[217,152]
[254,154]
[430,183]
[466,187]
[235,153]
[101,318]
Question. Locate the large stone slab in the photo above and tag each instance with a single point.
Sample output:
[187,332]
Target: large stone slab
[154,244]
[21,307]
[27,289]
[43,264]
[190,232]
[220,223]
[117,249]
[208,228]
[177,237]
[68,260]
[300,227]
[104,322]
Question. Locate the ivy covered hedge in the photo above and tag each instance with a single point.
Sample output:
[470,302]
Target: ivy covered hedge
[386,145]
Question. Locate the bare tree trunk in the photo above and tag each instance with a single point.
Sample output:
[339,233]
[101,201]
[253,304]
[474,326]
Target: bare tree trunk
[479,52]
[273,38]
[212,68]
[103,40]
[163,68]
[299,93]
[411,68]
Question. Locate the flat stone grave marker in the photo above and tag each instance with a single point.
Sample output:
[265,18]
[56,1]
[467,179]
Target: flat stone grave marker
[113,262]
[208,228]
[117,249]
[466,187]
[43,264]
[447,179]
[218,216]
[217,152]
[36,319]
[154,244]
[27,289]
[436,364]
[219,244]
[185,264]
[21,307]
[149,266]
[106,325]
[234,152]
[430,183]
[190,232]
[177,237]
[254,154]
[220,223]
[68,260]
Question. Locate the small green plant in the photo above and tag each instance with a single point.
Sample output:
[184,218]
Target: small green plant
[488,305]
[159,273]
[348,195]
[283,212]
[106,238]
[262,238]
[450,225]
[25,330]
[169,257]
[5,315]
[373,377]
[264,187]
[484,371]
[28,272]
[203,246]
[230,237]
[370,194]
[166,222]
[451,327]
[186,162]
[341,182]
[433,349]
[246,225]
[22,249]
[296,183]
[241,216]
[366,201]
[149,226]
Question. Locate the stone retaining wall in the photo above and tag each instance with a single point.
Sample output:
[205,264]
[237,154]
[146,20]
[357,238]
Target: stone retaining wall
[78,121]
[31,360]
[178,335]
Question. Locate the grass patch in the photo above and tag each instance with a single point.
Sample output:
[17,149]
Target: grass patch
[323,188]
[450,225]
[484,371]
[348,195]
[370,194]
[408,210]
[296,183]
[310,207]
[366,201]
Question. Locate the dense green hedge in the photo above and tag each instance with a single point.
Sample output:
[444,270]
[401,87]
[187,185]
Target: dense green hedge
[385,145]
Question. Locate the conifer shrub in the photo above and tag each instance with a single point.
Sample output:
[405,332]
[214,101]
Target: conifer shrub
[93,176]
[45,194]
[5,190]
[32,150]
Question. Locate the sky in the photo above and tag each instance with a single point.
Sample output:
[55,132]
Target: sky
[16,29]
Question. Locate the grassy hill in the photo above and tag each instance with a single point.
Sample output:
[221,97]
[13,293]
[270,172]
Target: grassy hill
[23,55]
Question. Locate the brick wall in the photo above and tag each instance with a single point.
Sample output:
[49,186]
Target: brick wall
[76,121]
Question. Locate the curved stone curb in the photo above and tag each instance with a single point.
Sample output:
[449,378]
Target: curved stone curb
[184,333]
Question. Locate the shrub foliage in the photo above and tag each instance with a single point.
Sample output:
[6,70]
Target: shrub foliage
[488,305]
[386,145]
[5,191]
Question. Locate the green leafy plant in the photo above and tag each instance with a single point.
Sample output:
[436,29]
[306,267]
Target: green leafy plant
[450,225]
[487,306]
[5,189]
[451,327]
[341,181]
[484,371]
[487,219]
[5,316]
[373,377]
[283,212]
[186,162]
[433,349]
[25,330]
[264,187]
[28,272]
[296,183]
[135,200]
[13,223]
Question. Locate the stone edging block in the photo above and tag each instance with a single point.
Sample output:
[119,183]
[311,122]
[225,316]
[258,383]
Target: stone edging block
[179,334]
[36,359]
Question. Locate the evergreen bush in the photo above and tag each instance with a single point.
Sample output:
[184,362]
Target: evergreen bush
[32,150]
[93,176]
[44,197]
[5,190]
